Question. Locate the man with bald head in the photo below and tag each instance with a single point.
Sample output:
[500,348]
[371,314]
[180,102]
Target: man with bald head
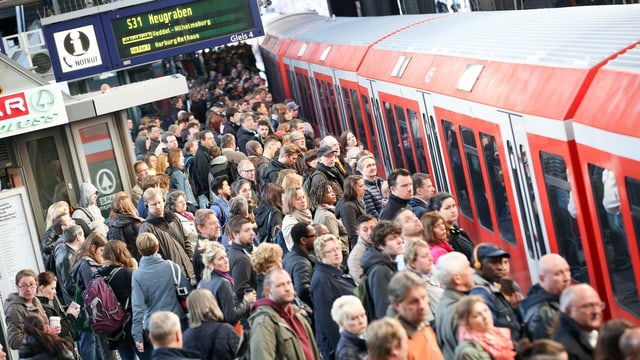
[540,308]
[580,318]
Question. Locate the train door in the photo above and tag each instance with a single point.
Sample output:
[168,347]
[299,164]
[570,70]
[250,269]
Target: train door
[371,125]
[358,114]
[384,153]
[302,83]
[439,171]
[327,101]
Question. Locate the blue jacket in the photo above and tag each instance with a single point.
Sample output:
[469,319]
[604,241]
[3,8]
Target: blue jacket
[373,197]
[503,315]
[379,268]
[180,182]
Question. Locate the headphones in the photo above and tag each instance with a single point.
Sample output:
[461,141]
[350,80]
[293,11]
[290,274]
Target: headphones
[477,264]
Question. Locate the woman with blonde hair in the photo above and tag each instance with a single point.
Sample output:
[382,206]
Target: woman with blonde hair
[124,222]
[55,211]
[207,333]
[179,180]
[162,163]
[152,162]
[265,257]
[295,207]
[418,259]
[436,234]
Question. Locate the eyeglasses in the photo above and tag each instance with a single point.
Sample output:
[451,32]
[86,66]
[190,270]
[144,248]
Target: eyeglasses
[249,171]
[593,306]
[27,286]
[311,236]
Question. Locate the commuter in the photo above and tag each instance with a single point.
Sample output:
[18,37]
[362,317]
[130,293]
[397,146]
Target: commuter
[52,307]
[272,147]
[328,283]
[162,163]
[323,200]
[296,210]
[119,266]
[278,329]
[264,130]
[351,206]
[326,169]
[220,195]
[297,138]
[179,180]
[265,257]
[233,123]
[488,262]
[141,170]
[216,279]
[209,230]
[386,340]
[51,235]
[160,181]
[247,171]
[418,259]
[142,145]
[423,191]
[347,311]
[455,274]
[608,345]
[65,253]
[300,261]
[167,228]
[166,336]
[247,131]
[541,306]
[409,299]
[436,234]
[229,148]
[401,187]
[207,333]
[287,157]
[153,131]
[169,142]
[153,290]
[18,306]
[365,224]
[366,165]
[124,222]
[580,319]
[201,167]
[446,206]
[40,344]
[87,214]
[240,230]
[378,263]
[479,338]
[541,349]
[342,166]
[350,147]
[269,212]
[630,344]
[410,224]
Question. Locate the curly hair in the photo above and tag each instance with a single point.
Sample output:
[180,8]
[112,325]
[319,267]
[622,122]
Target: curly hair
[317,192]
[265,256]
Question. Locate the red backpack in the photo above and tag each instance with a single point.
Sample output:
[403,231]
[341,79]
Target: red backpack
[105,315]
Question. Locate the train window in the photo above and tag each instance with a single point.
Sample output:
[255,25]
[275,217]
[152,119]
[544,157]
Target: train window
[306,99]
[477,178]
[393,134]
[332,108]
[406,142]
[346,99]
[614,237]
[455,162]
[369,119]
[418,148]
[633,189]
[435,153]
[563,213]
[323,101]
[498,190]
[359,128]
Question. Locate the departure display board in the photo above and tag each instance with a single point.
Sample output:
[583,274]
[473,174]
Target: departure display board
[185,24]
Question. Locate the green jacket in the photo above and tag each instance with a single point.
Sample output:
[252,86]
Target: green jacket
[467,350]
[271,337]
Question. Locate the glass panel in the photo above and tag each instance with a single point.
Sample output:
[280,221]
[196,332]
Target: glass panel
[393,134]
[459,179]
[435,154]
[308,109]
[362,134]
[47,173]
[530,216]
[407,145]
[323,109]
[333,109]
[477,178]
[614,238]
[416,133]
[563,212]
[372,136]
[101,160]
[351,120]
[633,190]
[496,181]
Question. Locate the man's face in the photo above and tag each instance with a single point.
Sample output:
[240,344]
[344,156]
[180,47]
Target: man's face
[281,290]
[393,245]
[156,205]
[364,230]
[142,171]
[310,239]
[415,306]
[411,225]
[333,144]
[172,142]
[465,278]
[586,308]
[247,171]
[209,141]
[244,107]
[369,169]
[250,123]
[290,159]
[299,127]
[263,130]
[300,142]
[263,108]
[245,235]
[492,269]
[556,277]
[155,133]
[403,188]
[427,190]
[329,160]
[225,190]
[211,228]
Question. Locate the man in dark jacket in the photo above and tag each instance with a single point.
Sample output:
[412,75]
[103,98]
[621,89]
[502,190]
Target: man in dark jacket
[541,306]
[247,131]
[201,167]
[401,187]
[378,263]
[326,169]
[488,262]
[288,155]
[580,318]
[423,190]
[64,254]
[300,260]
[241,233]
[166,337]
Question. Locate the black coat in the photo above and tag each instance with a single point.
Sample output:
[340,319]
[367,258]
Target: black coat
[54,308]
[350,347]
[392,208]
[174,354]
[267,218]
[568,334]
[214,340]
[460,241]
[31,349]
[379,268]
[201,168]
[272,170]
[300,267]
[130,227]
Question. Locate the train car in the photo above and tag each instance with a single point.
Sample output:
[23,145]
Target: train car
[527,117]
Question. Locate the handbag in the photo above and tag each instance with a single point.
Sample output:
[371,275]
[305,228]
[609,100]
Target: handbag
[181,291]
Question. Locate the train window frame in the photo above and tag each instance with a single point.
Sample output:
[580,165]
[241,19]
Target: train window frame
[306,94]
[359,124]
[417,138]
[407,145]
[348,108]
[392,132]
[454,159]
[499,195]
[477,176]
[610,221]
[633,195]
[326,116]
[372,135]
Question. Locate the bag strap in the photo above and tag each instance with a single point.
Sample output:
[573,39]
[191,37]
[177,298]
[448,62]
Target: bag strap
[176,277]
[86,212]
[108,278]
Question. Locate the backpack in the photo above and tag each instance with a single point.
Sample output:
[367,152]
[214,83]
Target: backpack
[104,313]
[279,239]
[362,293]
[115,233]
[86,229]
[308,182]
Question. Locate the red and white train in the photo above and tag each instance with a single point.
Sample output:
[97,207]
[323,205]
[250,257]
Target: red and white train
[530,118]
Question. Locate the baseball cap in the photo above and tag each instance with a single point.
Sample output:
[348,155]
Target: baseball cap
[219,105]
[325,150]
[489,251]
[292,105]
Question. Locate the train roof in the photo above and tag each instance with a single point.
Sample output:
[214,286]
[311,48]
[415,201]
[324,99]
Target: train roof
[628,61]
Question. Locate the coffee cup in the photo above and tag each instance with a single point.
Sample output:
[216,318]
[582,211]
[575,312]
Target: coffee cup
[54,321]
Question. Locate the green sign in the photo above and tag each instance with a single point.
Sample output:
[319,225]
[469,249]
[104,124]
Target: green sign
[179,25]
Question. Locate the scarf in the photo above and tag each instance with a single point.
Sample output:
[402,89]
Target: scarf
[497,341]
[225,275]
[187,215]
[302,216]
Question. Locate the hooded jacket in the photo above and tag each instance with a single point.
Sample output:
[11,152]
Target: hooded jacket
[201,167]
[327,216]
[348,211]
[267,218]
[16,311]
[87,190]
[379,268]
[180,182]
[539,310]
[31,349]
[141,147]
[130,228]
[270,174]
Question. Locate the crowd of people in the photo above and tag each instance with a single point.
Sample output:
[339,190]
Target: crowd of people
[247,236]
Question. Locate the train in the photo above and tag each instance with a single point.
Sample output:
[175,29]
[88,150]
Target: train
[530,118]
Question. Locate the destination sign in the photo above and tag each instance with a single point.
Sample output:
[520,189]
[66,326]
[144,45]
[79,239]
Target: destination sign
[184,24]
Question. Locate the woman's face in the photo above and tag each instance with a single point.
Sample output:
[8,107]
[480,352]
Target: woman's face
[245,191]
[221,262]
[180,205]
[329,197]
[449,211]
[360,189]
[356,323]
[351,140]
[480,318]
[300,203]
[48,291]
[424,260]
[440,230]
[27,287]
[181,161]
[99,253]
[332,254]
[288,114]
[153,162]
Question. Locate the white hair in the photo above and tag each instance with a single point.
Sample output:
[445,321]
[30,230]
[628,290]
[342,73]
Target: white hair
[449,265]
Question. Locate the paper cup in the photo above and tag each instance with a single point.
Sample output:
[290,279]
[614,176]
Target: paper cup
[54,321]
